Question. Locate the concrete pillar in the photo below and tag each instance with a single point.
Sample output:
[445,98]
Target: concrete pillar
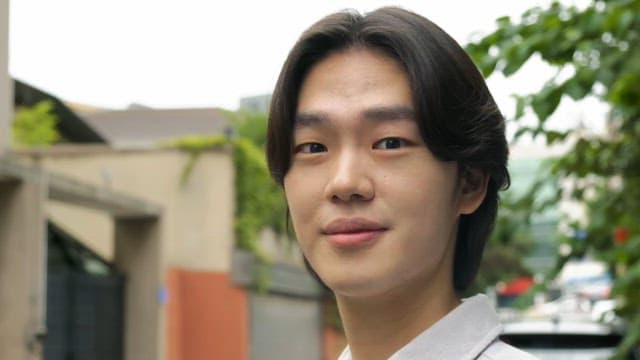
[22,268]
[6,84]
[138,254]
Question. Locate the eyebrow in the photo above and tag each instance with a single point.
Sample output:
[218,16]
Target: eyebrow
[374,114]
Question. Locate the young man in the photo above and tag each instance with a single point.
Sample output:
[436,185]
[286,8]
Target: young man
[391,152]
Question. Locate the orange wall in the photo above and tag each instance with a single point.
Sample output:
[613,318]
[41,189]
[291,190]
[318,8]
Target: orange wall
[207,317]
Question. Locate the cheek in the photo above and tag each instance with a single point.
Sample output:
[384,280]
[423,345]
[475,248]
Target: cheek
[424,201]
[425,229]
[418,188]
[302,200]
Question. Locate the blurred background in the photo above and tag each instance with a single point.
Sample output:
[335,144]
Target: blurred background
[138,219]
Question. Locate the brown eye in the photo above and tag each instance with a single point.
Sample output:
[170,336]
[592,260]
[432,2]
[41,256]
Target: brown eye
[390,143]
[310,148]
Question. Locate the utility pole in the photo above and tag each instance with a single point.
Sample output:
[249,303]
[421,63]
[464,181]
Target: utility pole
[6,84]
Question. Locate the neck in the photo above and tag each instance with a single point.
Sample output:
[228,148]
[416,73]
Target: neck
[378,326]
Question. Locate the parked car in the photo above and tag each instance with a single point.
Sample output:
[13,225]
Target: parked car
[555,338]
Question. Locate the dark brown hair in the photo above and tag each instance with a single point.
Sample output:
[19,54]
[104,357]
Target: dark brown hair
[457,116]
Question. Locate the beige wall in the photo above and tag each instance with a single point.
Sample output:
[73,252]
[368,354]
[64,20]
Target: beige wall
[6,85]
[138,255]
[22,292]
[194,231]
[198,217]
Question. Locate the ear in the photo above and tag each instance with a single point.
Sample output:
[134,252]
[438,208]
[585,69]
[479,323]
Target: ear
[473,188]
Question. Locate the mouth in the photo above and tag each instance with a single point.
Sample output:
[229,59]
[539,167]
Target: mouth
[353,232]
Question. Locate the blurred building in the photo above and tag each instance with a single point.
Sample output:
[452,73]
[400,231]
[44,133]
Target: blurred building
[527,161]
[140,128]
[5,81]
[257,103]
[103,251]
[544,226]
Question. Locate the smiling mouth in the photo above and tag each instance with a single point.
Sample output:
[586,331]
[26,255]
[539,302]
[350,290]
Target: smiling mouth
[353,232]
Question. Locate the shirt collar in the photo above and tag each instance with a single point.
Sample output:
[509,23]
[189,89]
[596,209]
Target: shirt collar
[461,334]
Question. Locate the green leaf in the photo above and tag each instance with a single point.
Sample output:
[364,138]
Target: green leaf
[503,21]
[520,104]
[581,83]
[522,131]
[488,65]
[546,101]
[555,136]
[516,55]
[626,20]
[626,90]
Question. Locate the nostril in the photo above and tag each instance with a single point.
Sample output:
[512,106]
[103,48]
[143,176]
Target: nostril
[351,197]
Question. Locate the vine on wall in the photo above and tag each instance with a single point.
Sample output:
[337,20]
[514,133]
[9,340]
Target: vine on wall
[259,201]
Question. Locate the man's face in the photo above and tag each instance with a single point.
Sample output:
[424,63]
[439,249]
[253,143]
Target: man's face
[374,211]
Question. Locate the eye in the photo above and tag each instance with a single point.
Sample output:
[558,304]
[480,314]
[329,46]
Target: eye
[310,148]
[390,143]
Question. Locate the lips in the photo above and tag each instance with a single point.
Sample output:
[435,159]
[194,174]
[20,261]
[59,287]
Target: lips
[353,232]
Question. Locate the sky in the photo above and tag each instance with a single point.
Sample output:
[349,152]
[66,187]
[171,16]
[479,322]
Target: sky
[191,53]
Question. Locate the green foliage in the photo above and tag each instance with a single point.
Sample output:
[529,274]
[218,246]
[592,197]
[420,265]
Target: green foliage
[250,125]
[259,201]
[600,46]
[508,245]
[36,125]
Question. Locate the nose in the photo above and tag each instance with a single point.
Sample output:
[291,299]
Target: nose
[350,179]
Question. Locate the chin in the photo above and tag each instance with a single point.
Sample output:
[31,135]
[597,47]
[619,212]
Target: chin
[355,287]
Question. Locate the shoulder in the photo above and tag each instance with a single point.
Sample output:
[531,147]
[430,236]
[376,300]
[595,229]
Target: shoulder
[499,350]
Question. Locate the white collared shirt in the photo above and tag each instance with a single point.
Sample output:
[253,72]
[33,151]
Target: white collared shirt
[470,331]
